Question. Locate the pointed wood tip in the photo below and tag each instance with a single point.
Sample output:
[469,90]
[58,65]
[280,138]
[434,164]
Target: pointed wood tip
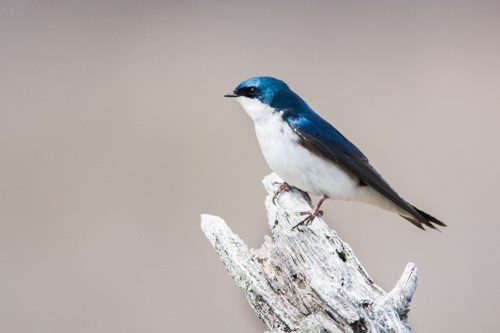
[403,292]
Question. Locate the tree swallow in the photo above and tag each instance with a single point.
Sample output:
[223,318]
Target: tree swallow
[311,155]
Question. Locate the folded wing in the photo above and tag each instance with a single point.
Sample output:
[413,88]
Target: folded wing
[323,139]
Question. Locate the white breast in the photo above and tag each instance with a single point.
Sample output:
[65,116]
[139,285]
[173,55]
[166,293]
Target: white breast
[291,161]
[297,165]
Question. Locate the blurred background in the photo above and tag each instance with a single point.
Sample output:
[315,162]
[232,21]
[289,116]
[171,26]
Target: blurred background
[114,137]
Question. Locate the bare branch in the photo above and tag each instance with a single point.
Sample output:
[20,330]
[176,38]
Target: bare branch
[308,279]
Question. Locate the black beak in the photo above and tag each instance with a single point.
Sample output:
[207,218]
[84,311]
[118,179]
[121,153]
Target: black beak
[231,95]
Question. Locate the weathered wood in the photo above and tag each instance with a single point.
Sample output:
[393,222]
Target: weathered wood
[308,279]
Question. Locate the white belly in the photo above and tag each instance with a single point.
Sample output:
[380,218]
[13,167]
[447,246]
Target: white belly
[299,167]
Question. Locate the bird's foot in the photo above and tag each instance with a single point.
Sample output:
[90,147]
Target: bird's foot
[282,188]
[311,215]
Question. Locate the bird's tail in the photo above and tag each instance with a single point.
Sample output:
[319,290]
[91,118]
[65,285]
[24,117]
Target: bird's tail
[423,218]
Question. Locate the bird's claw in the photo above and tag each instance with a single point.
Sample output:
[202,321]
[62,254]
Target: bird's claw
[319,213]
[311,215]
[282,188]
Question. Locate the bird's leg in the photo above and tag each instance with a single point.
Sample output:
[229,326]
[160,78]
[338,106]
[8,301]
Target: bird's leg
[282,188]
[312,214]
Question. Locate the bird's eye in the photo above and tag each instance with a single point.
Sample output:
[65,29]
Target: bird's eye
[252,91]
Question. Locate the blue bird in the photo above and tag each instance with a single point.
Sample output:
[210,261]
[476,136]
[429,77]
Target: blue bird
[310,154]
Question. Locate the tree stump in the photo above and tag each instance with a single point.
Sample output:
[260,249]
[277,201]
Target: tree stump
[308,279]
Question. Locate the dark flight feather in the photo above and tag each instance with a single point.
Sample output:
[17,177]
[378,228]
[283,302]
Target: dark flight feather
[323,139]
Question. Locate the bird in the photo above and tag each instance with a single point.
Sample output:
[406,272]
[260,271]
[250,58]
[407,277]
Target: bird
[308,153]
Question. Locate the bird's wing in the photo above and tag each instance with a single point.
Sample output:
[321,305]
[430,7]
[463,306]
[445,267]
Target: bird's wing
[322,138]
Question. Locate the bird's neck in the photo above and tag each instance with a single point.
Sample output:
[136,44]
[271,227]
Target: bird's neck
[257,110]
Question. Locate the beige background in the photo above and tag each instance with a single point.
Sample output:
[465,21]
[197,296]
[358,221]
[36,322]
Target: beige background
[114,137]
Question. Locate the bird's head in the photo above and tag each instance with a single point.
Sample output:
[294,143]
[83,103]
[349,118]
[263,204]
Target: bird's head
[263,95]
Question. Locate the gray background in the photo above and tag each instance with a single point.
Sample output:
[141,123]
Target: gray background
[114,137]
